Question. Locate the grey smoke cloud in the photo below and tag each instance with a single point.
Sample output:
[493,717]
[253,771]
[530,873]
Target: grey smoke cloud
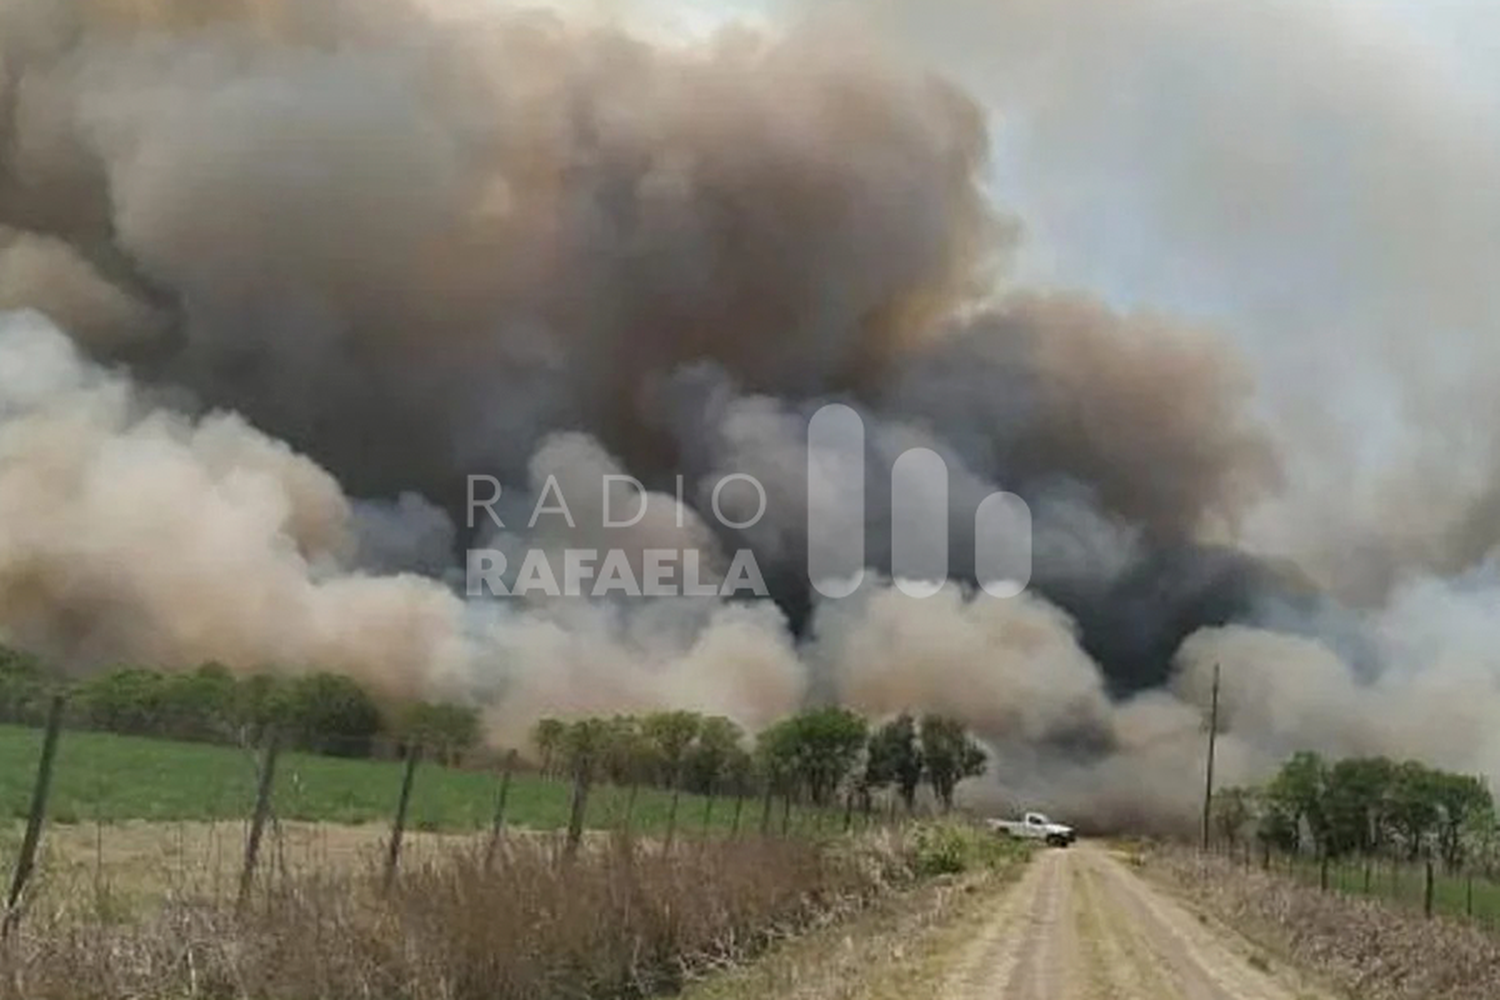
[475,229]
[308,265]
[129,532]
[1313,179]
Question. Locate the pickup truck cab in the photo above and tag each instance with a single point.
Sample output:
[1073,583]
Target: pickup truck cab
[1035,826]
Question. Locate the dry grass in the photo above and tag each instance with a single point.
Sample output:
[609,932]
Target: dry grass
[144,861]
[902,949]
[618,921]
[1371,949]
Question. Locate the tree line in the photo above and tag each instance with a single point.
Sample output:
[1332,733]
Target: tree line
[819,756]
[319,712]
[816,756]
[1362,806]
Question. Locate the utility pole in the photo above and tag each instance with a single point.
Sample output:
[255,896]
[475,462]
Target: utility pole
[1213,736]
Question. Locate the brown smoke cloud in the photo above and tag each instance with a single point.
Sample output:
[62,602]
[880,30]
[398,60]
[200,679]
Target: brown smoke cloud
[128,532]
[467,230]
[305,265]
[1151,414]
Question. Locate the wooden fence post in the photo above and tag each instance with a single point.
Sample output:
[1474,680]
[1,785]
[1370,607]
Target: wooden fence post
[264,786]
[497,826]
[26,860]
[765,811]
[582,780]
[630,797]
[708,811]
[398,828]
[739,809]
[1427,890]
[666,847]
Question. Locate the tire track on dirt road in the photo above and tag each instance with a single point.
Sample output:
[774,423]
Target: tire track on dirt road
[1080,925]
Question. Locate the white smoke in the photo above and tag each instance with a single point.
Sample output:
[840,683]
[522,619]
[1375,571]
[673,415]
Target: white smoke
[308,265]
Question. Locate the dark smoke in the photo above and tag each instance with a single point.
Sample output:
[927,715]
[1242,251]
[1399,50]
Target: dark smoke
[318,261]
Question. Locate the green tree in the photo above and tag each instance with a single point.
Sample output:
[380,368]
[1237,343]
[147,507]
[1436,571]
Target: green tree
[1414,810]
[777,752]
[261,700]
[895,758]
[127,700]
[671,736]
[24,687]
[1356,800]
[627,757]
[825,745]
[583,748]
[331,714]
[739,772]
[708,760]
[198,705]
[446,730]
[1297,797]
[950,755]
[549,737]
[1234,812]
[1277,827]
[1463,803]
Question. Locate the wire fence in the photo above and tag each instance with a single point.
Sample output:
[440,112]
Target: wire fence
[127,817]
[1468,890]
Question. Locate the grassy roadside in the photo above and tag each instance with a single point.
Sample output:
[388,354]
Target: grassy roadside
[622,918]
[1404,885]
[1363,946]
[902,947]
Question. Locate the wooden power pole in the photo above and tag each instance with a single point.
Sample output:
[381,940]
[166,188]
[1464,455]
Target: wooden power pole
[1208,781]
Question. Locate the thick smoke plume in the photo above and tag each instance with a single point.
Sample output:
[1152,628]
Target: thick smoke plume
[284,274]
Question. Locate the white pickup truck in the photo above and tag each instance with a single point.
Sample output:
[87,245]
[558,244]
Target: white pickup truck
[1035,826]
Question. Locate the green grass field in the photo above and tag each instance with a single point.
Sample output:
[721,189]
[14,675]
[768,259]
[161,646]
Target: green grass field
[105,778]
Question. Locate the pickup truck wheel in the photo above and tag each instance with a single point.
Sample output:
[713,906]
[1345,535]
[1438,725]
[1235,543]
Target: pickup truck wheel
[1056,840]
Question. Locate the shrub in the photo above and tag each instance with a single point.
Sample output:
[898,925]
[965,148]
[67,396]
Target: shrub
[128,700]
[331,714]
[199,705]
[23,688]
[448,731]
[951,848]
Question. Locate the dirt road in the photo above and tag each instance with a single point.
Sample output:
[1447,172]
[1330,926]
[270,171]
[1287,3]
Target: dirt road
[1080,925]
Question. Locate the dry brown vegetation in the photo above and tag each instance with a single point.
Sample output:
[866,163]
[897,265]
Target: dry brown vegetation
[135,864]
[902,948]
[620,920]
[1369,948]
